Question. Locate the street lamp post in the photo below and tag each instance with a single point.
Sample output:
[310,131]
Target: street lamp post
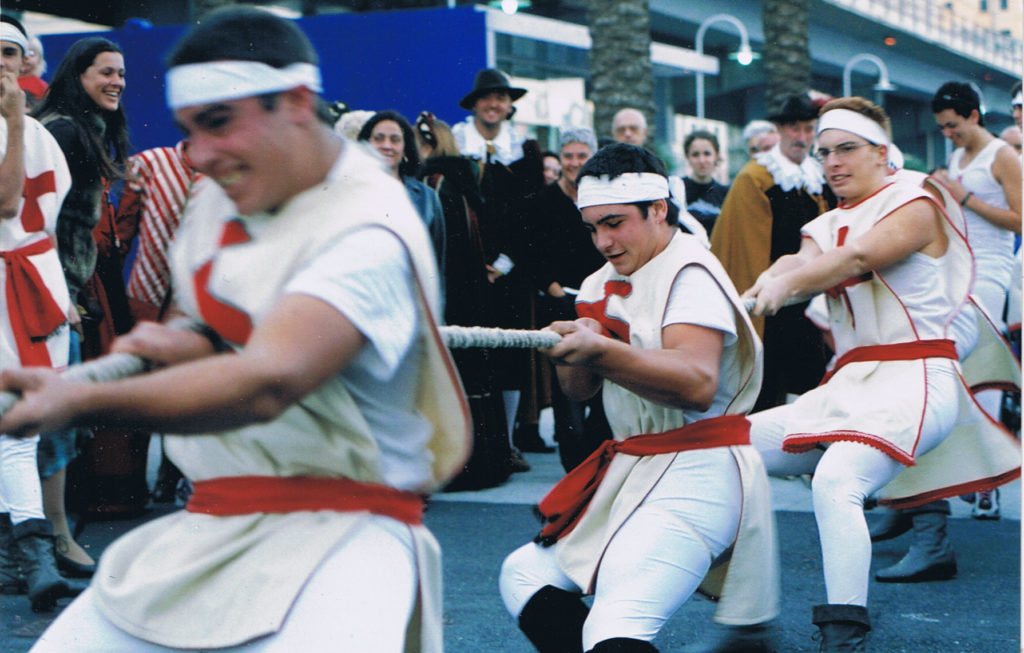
[883,84]
[744,56]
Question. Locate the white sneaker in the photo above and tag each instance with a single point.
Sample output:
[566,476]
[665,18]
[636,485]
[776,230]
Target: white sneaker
[987,505]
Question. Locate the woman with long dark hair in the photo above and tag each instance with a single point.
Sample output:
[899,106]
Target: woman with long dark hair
[391,135]
[83,112]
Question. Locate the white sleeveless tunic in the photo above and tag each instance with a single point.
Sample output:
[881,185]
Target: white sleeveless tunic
[992,246]
[192,580]
[882,403]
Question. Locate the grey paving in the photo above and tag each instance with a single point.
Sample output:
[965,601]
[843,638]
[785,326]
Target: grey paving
[978,612]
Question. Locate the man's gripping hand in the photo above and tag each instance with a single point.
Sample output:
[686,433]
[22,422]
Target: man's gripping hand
[582,342]
[164,345]
[45,405]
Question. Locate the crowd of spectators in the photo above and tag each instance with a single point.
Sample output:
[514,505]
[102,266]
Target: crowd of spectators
[511,250]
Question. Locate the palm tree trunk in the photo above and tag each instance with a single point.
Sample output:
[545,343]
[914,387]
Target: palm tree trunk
[787,56]
[620,60]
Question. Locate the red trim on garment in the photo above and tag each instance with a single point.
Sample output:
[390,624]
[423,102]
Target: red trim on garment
[847,207]
[613,327]
[32,218]
[564,504]
[246,495]
[32,311]
[804,442]
[989,483]
[917,350]
[900,351]
[230,322]
[839,290]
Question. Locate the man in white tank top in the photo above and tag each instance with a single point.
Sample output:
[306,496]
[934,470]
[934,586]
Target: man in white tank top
[984,173]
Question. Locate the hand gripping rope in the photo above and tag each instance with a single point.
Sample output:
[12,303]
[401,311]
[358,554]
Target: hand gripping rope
[119,365]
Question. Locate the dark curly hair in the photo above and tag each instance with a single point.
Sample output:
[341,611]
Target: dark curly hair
[410,164]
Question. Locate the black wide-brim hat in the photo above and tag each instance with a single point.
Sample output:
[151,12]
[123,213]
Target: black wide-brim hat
[795,108]
[487,81]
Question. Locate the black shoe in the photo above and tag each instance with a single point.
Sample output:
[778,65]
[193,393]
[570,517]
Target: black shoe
[893,523]
[843,628]
[527,438]
[71,569]
[517,462]
[756,638]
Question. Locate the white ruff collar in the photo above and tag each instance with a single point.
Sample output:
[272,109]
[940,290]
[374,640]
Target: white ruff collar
[788,175]
[470,143]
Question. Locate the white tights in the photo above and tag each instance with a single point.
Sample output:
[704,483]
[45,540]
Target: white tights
[359,599]
[845,474]
[655,561]
[20,492]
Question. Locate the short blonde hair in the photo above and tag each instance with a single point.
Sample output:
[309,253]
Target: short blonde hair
[863,107]
[445,140]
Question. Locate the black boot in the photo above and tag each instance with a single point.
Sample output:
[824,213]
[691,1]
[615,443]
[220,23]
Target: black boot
[892,524]
[844,628]
[12,581]
[526,437]
[34,539]
[757,638]
[553,620]
[623,645]
[931,555]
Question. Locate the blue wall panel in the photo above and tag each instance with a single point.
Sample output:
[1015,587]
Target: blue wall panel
[402,60]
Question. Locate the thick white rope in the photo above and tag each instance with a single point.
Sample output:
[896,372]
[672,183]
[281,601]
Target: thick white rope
[107,368]
[460,337]
[118,366]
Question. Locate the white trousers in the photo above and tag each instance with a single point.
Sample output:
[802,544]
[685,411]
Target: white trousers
[359,599]
[653,563]
[990,293]
[20,492]
[845,474]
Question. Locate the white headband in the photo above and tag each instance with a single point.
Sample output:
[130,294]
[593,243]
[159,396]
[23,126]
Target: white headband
[855,123]
[11,33]
[217,81]
[1017,100]
[625,189]
[895,158]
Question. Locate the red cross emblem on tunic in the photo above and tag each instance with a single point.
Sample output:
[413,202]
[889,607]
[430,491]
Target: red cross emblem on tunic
[32,219]
[839,290]
[230,322]
[613,326]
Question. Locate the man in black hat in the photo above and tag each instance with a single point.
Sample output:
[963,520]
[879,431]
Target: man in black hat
[772,197]
[512,172]
[487,135]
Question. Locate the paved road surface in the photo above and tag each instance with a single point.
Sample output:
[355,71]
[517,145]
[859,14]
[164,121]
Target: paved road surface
[978,612]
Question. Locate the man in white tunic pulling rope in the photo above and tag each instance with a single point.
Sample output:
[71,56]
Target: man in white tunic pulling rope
[642,522]
[328,410]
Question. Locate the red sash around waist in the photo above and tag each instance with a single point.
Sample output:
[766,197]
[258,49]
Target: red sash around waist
[245,495]
[900,351]
[32,311]
[563,506]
